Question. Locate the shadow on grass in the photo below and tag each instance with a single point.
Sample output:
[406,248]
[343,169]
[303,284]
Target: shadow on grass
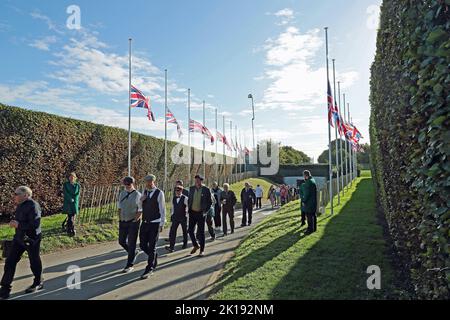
[335,266]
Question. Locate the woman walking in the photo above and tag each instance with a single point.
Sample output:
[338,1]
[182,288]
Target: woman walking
[71,190]
[272,196]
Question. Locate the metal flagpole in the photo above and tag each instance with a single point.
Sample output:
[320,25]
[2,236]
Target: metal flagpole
[129,108]
[215,156]
[351,149]
[336,134]
[204,142]
[165,131]
[355,162]
[189,136]
[330,165]
[224,152]
[346,147]
[341,160]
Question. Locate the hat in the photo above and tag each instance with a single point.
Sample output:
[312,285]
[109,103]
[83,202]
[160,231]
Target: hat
[199,177]
[180,182]
[150,177]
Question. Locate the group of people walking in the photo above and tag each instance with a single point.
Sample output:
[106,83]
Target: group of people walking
[143,216]
[281,195]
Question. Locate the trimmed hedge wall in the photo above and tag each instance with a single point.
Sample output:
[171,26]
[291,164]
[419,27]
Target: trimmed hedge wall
[410,137]
[38,149]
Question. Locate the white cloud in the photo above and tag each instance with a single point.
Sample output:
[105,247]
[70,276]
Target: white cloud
[43,43]
[50,24]
[286,15]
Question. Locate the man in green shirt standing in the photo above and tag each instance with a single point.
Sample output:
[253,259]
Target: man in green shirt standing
[309,201]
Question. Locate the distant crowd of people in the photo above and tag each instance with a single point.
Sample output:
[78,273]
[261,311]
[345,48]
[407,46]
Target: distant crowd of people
[143,216]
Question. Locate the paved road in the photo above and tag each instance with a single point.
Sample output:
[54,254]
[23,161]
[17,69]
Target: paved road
[179,275]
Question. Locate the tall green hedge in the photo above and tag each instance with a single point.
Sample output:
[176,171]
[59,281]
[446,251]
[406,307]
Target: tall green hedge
[410,137]
[39,150]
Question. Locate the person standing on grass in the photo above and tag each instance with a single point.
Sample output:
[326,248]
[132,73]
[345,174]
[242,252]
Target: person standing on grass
[199,205]
[216,191]
[153,220]
[248,201]
[277,196]
[272,196]
[130,214]
[309,201]
[27,238]
[178,217]
[228,200]
[259,192]
[71,191]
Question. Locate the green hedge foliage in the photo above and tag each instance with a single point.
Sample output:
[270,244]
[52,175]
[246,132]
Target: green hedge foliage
[39,150]
[410,137]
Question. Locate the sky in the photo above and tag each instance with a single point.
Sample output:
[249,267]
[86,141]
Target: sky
[221,50]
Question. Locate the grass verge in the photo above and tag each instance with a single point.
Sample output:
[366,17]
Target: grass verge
[277,261]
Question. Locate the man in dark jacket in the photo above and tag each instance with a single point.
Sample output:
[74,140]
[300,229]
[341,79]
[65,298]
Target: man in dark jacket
[27,222]
[199,204]
[309,201]
[248,201]
[228,202]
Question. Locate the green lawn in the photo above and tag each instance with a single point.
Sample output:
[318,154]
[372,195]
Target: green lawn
[277,261]
[91,232]
[264,183]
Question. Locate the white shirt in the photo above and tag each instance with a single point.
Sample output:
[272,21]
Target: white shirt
[161,204]
[259,192]
[178,201]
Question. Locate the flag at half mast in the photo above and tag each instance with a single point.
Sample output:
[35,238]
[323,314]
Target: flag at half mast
[171,119]
[139,100]
[195,126]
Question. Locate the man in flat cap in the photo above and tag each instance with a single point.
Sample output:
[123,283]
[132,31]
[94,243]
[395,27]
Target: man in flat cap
[153,220]
[130,214]
[199,204]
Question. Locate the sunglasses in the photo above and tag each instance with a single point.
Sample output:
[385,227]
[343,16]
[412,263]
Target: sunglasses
[17,193]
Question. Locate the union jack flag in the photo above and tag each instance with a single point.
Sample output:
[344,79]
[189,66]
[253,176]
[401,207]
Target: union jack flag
[139,100]
[224,140]
[332,111]
[195,126]
[171,119]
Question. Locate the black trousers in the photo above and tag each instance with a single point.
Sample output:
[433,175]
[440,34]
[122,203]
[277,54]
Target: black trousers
[312,221]
[247,209]
[149,235]
[230,213]
[128,234]
[15,254]
[209,223]
[197,219]
[303,217]
[173,231]
[258,203]
[71,223]
[218,216]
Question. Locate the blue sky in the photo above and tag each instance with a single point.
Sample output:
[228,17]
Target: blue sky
[222,50]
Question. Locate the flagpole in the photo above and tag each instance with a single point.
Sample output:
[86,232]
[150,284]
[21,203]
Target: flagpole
[330,165]
[351,148]
[236,149]
[129,107]
[341,160]
[189,135]
[165,132]
[224,152]
[204,142]
[355,161]
[336,134]
[215,158]
[346,146]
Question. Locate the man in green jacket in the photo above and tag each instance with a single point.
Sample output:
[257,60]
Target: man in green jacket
[309,201]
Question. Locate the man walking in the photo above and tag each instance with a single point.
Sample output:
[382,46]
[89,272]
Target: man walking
[130,214]
[309,201]
[153,220]
[27,222]
[248,200]
[259,192]
[228,202]
[199,204]
[179,218]
[216,191]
